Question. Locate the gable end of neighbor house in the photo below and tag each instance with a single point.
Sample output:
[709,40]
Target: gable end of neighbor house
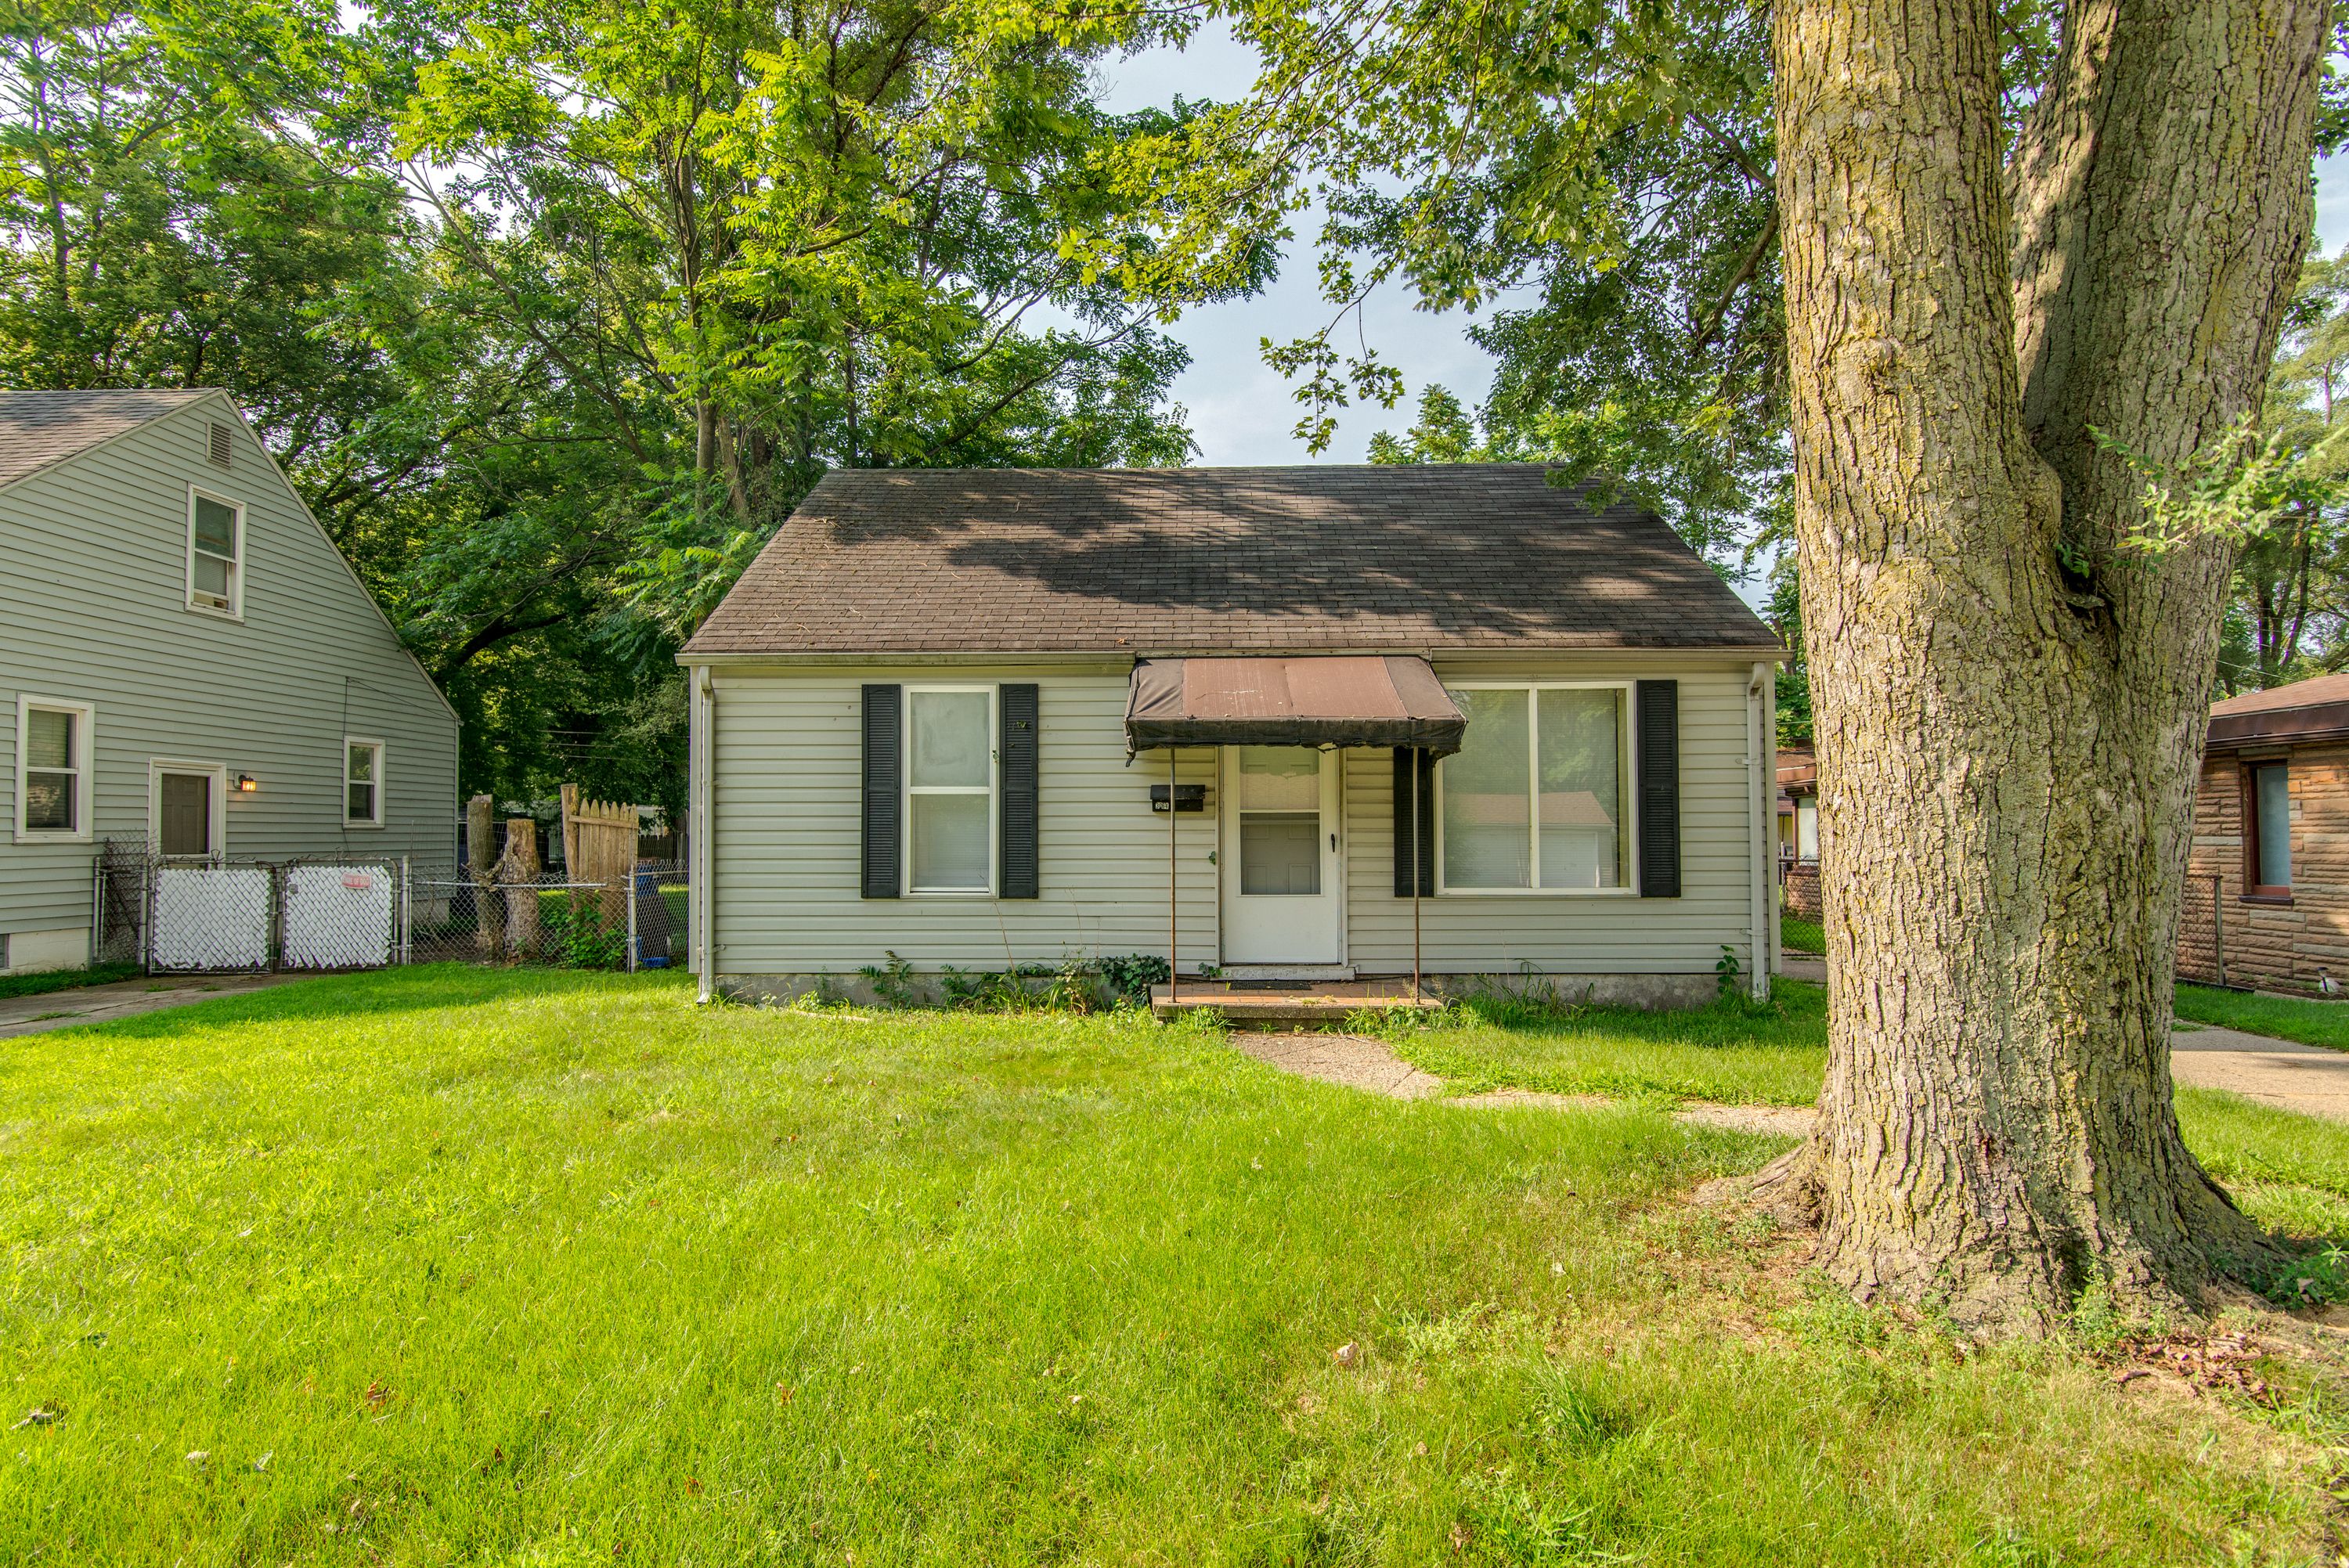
[171,593]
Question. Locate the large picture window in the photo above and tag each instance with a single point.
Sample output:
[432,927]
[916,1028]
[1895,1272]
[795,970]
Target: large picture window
[949,789]
[53,762]
[1536,800]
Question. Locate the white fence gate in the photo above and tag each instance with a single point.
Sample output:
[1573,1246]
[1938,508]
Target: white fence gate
[214,918]
[339,917]
[210,918]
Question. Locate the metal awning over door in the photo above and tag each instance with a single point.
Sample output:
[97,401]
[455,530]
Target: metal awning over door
[1335,700]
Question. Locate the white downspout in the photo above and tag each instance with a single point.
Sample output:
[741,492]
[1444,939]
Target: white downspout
[701,781]
[1762,757]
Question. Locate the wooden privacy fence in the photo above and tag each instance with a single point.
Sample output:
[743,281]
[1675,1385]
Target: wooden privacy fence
[600,907]
[599,837]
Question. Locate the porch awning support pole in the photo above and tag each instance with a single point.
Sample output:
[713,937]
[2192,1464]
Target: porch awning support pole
[1171,981]
[1416,863]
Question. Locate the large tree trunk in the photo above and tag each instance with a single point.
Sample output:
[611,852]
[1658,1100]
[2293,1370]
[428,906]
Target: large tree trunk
[2009,702]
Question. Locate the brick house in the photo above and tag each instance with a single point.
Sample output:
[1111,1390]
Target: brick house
[1798,830]
[2267,890]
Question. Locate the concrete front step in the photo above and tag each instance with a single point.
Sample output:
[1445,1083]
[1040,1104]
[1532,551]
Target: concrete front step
[1298,1002]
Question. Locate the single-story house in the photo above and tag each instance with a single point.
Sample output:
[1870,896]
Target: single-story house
[188,665]
[976,719]
[2267,890]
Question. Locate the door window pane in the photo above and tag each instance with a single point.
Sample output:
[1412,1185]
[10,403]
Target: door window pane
[1486,794]
[949,842]
[2271,787]
[1581,787]
[186,813]
[1279,778]
[949,740]
[1281,853]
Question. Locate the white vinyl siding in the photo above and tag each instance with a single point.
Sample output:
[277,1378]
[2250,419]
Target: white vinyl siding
[785,842]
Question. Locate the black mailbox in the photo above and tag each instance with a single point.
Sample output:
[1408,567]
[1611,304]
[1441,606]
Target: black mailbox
[1187,797]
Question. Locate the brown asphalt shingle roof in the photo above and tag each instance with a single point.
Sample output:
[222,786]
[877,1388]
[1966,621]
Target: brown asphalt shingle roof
[1440,558]
[39,428]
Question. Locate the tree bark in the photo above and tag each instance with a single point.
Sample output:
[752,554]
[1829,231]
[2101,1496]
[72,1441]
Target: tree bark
[2008,699]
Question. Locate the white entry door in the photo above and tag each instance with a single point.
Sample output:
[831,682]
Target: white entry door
[1283,891]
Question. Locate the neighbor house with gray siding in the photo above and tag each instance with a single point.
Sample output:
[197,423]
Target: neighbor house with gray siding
[1292,724]
[188,665]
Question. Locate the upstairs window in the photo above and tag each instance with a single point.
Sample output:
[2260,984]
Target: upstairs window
[215,555]
[363,783]
[52,769]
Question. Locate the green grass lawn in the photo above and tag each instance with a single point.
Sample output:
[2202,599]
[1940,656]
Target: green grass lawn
[1796,934]
[41,982]
[453,1267]
[1729,1051]
[2285,1017]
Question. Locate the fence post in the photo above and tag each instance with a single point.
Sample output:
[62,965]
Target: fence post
[632,919]
[407,954]
[98,908]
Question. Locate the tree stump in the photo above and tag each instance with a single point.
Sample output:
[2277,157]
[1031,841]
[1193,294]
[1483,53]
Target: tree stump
[517,873]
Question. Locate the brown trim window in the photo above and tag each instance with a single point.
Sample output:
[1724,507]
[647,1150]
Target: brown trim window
[2267,830]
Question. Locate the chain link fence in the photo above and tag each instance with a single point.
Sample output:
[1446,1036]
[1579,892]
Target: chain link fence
[219,915]
[636,924]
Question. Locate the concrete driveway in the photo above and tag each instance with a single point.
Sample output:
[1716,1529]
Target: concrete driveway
[122,999]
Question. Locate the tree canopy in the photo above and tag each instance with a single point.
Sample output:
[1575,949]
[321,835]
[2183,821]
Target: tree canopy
[553,309]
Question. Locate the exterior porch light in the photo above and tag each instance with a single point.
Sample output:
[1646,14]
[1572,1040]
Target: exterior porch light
[247,784]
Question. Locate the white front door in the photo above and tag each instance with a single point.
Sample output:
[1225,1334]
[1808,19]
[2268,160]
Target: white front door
[1283,887]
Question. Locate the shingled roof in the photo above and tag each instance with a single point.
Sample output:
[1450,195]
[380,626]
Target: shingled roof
[41,428]
[1435,558]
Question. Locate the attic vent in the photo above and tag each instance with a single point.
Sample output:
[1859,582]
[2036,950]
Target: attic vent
[220,446]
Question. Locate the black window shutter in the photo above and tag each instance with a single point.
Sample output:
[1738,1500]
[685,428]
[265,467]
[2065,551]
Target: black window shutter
[1402,836]
[1015,712]
[884,752]
[1657,729]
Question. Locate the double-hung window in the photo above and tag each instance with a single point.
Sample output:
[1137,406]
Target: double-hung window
[1538,797]
[950,789]
[215,555]
[362,783]
[53,769]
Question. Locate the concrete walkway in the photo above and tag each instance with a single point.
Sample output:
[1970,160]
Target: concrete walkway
[122,999]
[1358,1061]
[2309,1079]
[2285,1073]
